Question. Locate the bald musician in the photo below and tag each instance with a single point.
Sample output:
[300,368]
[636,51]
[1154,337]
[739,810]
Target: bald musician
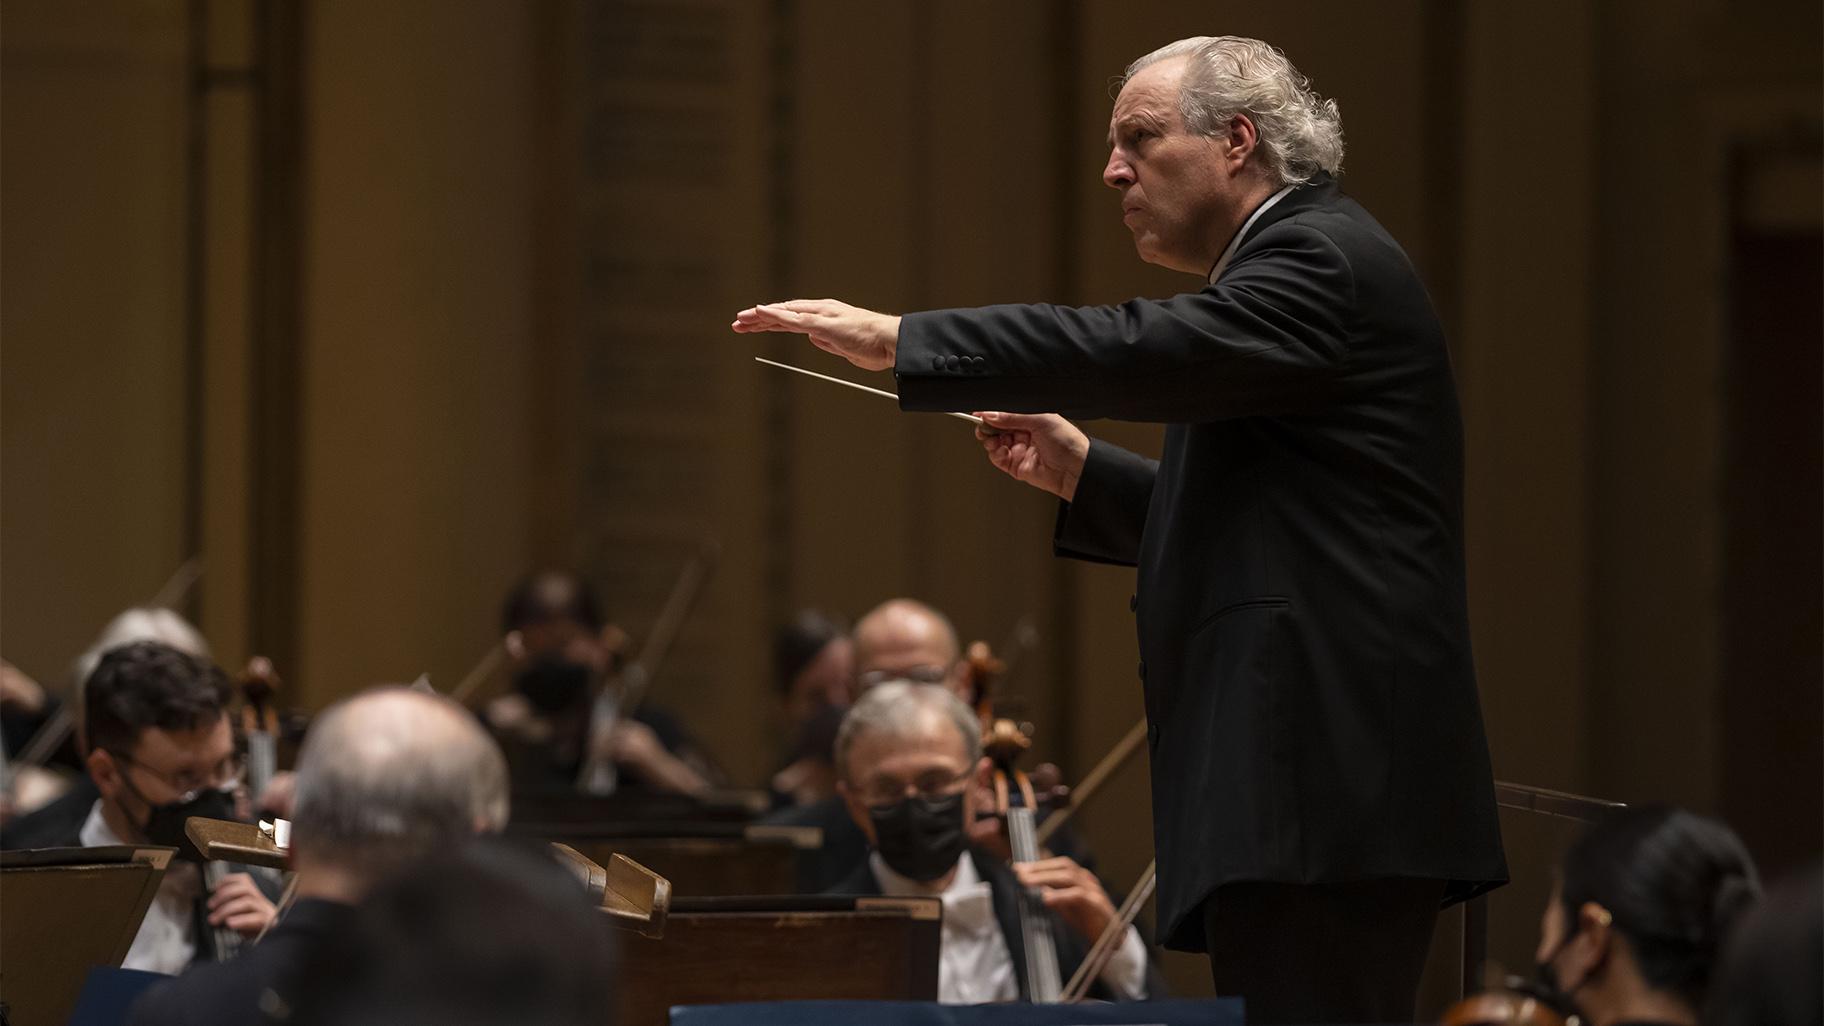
[900,639]
[385,779]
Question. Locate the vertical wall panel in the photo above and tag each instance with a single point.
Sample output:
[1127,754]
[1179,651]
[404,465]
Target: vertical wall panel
[93,396]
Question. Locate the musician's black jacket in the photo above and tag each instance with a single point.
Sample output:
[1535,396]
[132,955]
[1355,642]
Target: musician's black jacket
[1005,887]
[235,993]
[1301,605]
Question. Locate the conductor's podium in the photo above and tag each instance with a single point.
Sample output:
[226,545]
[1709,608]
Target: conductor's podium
[723,950]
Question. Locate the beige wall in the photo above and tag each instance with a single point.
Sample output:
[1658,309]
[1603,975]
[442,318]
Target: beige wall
[92,392]
[417,331]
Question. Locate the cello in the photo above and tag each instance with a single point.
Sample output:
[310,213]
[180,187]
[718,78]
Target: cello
[1004,742]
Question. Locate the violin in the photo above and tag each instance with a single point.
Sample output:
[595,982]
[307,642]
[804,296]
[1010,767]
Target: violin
[597,774]
[258,718]
[1506,1001]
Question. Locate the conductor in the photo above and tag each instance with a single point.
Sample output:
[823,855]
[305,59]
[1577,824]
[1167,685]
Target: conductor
[1321,782]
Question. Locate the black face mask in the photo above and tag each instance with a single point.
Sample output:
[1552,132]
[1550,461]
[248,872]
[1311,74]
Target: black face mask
[553,684]
[165,824]
[1549,989]
[920,838]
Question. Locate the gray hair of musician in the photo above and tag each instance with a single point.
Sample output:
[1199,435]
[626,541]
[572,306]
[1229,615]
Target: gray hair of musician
[391,775]
[1301,133]
[900,708]
[140,623]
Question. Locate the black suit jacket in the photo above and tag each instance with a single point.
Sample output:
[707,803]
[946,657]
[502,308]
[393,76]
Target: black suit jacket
[231,993]
[844,844]
[1005,888]
[1301,604]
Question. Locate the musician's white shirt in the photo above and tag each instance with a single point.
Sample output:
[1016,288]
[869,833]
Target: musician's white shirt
[974,964]
[166,941]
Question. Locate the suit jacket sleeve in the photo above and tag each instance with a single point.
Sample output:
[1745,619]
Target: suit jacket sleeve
[1270,337]
[1104,522]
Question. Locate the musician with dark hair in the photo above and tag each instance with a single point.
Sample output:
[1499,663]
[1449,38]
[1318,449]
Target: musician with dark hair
[563,653]
[159,747]
[1644,903]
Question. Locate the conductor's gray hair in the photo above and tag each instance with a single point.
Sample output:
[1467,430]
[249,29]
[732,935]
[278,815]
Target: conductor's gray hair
[899,708]
[392,775]
[1301,133]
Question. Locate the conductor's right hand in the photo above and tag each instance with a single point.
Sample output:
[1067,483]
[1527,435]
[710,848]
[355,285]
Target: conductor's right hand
[1044,450]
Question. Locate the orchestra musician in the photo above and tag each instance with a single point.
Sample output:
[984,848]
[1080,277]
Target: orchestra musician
[160,749]
[907,754]
[814,671]
[899,639]
[563,653]
[488,934]
[49,823]
[1321,780]
[384,779]
[1640,916]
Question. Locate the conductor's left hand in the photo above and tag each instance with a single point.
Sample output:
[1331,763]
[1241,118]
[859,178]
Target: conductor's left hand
[866,339]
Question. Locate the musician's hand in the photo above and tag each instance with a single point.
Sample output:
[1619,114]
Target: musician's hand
[634,745]
[1071,891]
[239,905]
[18,691]
[866,339]
[280,794]
[1044,450]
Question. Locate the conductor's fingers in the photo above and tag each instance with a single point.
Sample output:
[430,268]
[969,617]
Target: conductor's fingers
[1013,421]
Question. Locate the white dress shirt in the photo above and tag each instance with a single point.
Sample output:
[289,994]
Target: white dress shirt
[1222,262]
[166,942]
[975,965]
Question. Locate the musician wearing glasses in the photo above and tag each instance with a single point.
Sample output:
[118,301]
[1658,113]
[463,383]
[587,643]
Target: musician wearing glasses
[160,750]
[906,756]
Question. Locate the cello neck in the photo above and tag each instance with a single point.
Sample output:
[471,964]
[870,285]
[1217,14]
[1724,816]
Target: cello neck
[1043,980]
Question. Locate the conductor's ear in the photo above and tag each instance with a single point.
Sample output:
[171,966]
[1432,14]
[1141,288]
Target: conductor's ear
[515,644]
[1243,138]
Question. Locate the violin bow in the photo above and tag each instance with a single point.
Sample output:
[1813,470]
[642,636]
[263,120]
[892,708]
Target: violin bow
[595,776]
[1117,756]
[54,731]
[1113,936]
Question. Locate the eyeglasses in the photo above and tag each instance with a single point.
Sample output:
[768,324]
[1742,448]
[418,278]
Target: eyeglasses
[927,674]
[935,784]
[228,773]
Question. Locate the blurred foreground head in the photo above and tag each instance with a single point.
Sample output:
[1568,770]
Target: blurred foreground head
[388,777]
[1645,902]
[487,932]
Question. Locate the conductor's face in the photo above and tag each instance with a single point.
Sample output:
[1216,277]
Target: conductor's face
[1177,188]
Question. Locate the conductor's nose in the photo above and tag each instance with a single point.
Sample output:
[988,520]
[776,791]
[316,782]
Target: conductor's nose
[1117,174]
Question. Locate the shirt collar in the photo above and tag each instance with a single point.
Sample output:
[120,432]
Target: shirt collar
[1222,262]
[95,831]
